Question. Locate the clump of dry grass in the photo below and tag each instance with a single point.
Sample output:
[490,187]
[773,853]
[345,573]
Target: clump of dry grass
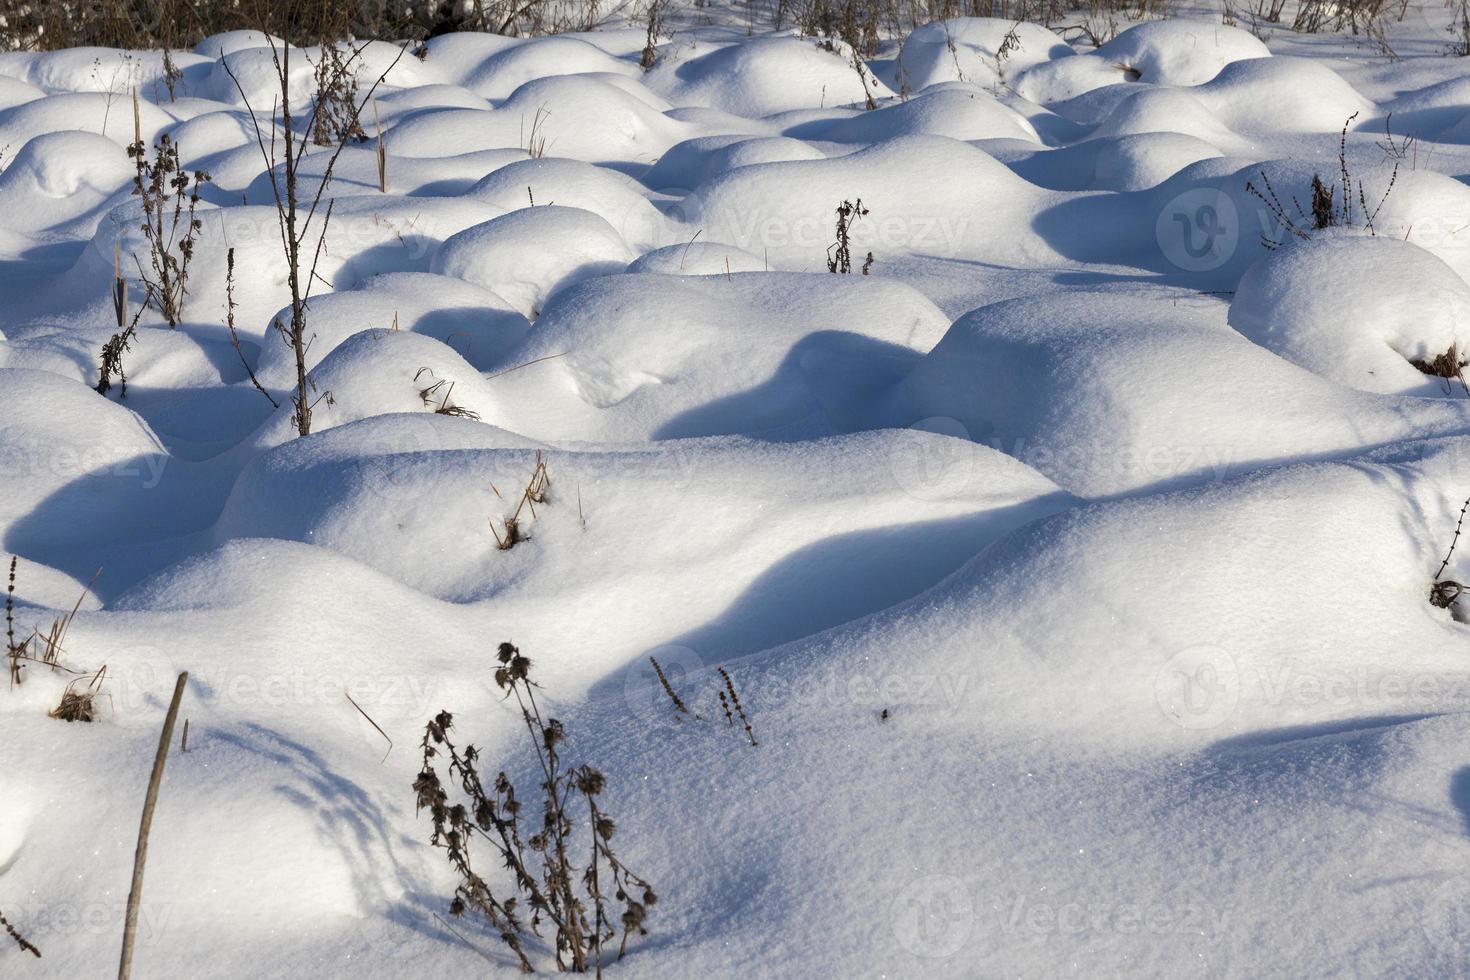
[1450,365]
[80,703]
[576,895]
[536,492]
[439,390]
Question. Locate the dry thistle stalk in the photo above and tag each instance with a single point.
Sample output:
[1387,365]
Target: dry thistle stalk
[170,197]
[655,28]
[544,866]
[839,253]
[1444,592]
[21,941]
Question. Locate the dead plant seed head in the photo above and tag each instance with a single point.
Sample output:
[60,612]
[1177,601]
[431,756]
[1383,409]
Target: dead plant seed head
[543,861]
[839,253]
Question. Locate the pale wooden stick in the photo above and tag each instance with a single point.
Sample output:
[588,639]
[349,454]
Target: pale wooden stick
[140,856]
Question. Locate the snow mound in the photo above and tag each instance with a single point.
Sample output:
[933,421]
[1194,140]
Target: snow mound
[505,71]
[1282,95]
[356,172]
[781,355]
[528,255]
[762,77]
[698,259]
[967,49]
[1166,52]
[615,198]
[952,112]
[1135,163]
[576,116]
[786,209]
[92,112]
[58,178]
[474,321]
[14,92]
[380,372]
[64,442]
[368,236]
[345,491]
[1165,110]
[1323,304]
[1104,397]
[692,162]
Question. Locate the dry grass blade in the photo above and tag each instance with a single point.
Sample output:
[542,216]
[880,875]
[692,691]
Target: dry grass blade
[359,711]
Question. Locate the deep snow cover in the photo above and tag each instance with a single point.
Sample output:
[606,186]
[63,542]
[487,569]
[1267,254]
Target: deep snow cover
[1072,553]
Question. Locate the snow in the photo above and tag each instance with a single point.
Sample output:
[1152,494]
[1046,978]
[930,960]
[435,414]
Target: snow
[1071,554]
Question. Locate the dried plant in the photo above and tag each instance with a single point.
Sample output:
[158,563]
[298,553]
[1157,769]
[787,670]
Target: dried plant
[655,19]
[1444,592]
[295,214]
[679,705]
[445,406]
[535,143]
[170,196]
[1332,205]
[735,700]
[337,109]
[535,493]
[235,336]
[172,75]
[839,253]
[21,941]
[545,870]
[80,703]
[14,651]
[730,702]
[1450,366]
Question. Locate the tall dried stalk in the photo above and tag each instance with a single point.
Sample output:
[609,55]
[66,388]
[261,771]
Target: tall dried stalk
[295,216]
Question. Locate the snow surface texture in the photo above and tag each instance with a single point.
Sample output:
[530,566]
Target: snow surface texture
[1071,555]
